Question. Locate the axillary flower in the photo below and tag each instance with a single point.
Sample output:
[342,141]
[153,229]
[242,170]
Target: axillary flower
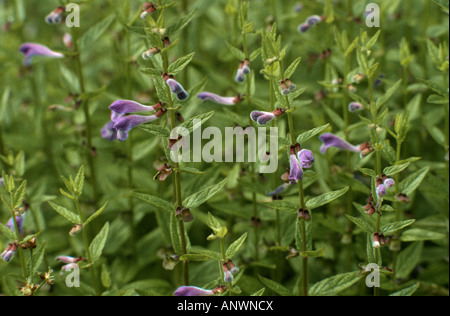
[331,140]
[197,291]
[299,158]
[31,49]
[219,99]
[262,117]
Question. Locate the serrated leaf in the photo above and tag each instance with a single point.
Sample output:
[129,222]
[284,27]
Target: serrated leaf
[313,253]
[98,243]
[203,195]
[181,23]
[389,93]
[325,198]
[236,52]
[390,171]
[365,226]
[155,201]
[393,227]
[289,72]
[283,205]
[407,291]
[95,32]
[95,215]
[417,234]
[303,137]
[408,259]
[179,64]
[274,286]
[236,246]
[412,182]
[19,195]
[7,232]
[69,215]
[335,284]
[157,130]
[200,119]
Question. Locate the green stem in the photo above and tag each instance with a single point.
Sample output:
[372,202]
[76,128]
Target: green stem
[87,250]
[21,256]
[87,117]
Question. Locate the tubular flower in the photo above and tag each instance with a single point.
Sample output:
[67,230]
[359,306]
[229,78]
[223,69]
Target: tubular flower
[19,221]
[355,106]
[150,53]
[240,73]
[219,99]
[147,9]
[303,28]
[306,158]
[108,132]
[388,182]
[9,251]
[176,87]
[56,16]
[278,190]
[197,291]
[120,107]
[296,171]
[246,67]
[124,124]
[31,49]
[331,140]
[263,118]
[313,20]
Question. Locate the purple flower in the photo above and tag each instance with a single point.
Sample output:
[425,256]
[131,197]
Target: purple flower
[330,140]
[239,75]
[108,131]
[263,118]
[68,259]
[303,28]
[306,158]
[313,20]
[177,88]
[55,16]
[192,291]
[279,189]
[19,220]
[32,49]
[219,99]
[355,106]
[296,172]
[125,123]
[9,251]
[388,182]
[381,190]
[120,107]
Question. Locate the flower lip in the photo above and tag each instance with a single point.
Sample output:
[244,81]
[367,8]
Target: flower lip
[331,140]
[296,172]
[306,158]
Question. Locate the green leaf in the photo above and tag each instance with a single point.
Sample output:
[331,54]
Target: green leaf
[236,52]
[95,32]
[19,194]
[69,215]
[389,93]
[152,72]
[155,201]
[365,226]
[408,291]
[79,181]
[304,137]
[408,259]
[203,195]
[175,234]
[417,234]
[393,227]
[200,119]
[390,171]
[289,72]
[95,215]
[412,182]
[7,232]
[274,286]
[98,243]
[325,198]
[157,130]
[179,64]
[183,22]
[335,284]
[282,205]
[235,246]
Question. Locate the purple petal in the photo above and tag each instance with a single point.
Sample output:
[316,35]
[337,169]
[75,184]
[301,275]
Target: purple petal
[125,123]
[121,107]
[389,182]
[330,140]
[19,220]
[306,158]
[255,114]
[266,118]
[296,173]
[175,87]
[192,291]
[216,98]
[32,49]
[381,190]
[108,131]
[313,20]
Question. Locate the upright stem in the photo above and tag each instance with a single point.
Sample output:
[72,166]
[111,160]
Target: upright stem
[177,176]
[87,116]
[87,249]
[21,255]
